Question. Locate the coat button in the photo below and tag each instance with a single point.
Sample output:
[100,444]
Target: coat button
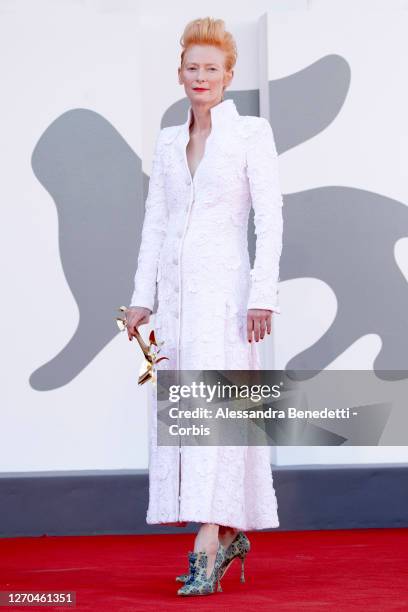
[176,288]
[188,182]
[179,234]
[175,261]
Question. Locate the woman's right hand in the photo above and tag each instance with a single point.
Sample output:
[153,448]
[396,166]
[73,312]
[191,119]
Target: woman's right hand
[135,316]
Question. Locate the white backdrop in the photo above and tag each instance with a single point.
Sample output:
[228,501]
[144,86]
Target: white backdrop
[365,147]
[119,59]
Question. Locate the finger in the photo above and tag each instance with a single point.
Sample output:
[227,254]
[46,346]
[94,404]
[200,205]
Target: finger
[250,326]
[133,329]
[256,329]
[269,323]
[262,327]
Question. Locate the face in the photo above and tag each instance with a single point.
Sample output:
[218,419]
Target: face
[203,74]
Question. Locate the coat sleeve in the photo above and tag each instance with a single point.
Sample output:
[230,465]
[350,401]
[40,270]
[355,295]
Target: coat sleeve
[267,202]
[153,233]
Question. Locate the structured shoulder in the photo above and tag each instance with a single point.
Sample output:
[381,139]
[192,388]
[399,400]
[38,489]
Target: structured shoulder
[168,134]
[249,125]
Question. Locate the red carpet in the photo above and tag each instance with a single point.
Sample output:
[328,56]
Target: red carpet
[305,570]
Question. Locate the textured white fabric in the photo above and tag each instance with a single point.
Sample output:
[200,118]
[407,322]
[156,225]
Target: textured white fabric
[194,246]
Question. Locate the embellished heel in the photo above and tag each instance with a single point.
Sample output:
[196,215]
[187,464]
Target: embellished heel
[238,549]
[242,568]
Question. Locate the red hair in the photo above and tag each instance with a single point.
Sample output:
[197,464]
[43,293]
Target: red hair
[208,31]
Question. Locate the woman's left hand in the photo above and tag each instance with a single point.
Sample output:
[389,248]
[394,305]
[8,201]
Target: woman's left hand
[258,321]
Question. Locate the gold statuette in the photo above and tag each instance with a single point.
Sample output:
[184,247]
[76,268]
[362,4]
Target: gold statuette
[147,369]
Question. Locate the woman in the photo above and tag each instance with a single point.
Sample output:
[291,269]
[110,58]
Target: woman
[212,307]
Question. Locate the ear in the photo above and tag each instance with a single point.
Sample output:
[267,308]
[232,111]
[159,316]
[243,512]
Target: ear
[228,77]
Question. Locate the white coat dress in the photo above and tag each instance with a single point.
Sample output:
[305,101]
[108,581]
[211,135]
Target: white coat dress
[194,250]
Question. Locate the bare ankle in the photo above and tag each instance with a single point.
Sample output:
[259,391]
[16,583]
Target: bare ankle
[227,535]
[207,539]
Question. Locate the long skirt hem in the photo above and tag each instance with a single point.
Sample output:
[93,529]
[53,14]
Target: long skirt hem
[218,520]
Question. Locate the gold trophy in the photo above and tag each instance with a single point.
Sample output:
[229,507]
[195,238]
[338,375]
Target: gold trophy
[147,369]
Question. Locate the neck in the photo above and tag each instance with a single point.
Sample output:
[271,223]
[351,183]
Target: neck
[201,118]
[217,117]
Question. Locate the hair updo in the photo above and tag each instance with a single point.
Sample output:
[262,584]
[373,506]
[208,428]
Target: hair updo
[208,31]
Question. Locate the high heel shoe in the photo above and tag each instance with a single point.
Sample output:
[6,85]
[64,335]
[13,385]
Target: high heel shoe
[239,548]
[198,583]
